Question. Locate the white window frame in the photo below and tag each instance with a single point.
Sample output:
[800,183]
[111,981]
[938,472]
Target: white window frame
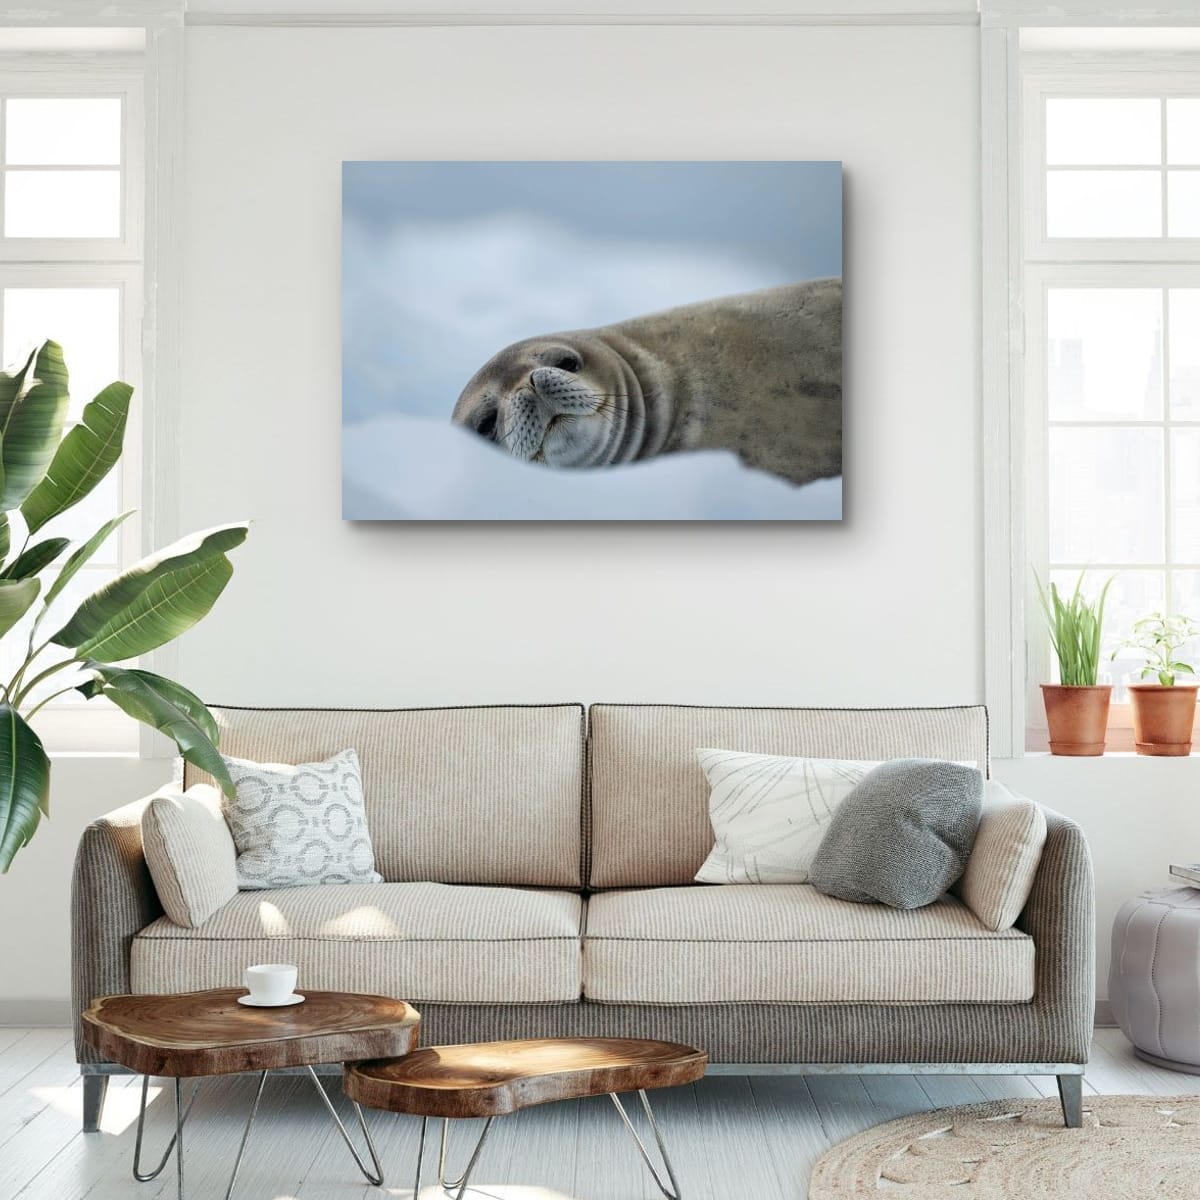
[1015,663]
[94,726]
[1039,279]
[1151,78]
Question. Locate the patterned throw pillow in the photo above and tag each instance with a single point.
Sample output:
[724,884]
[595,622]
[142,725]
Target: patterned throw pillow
[769,813]
[302,825]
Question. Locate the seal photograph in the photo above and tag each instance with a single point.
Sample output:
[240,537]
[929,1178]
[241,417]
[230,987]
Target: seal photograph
[592,341]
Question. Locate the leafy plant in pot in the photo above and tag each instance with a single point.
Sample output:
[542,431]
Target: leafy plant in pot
[43,473]
[1163,711]
[1076,706]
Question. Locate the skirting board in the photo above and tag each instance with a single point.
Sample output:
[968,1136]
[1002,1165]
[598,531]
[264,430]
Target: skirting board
[58,1013]
[51,1013]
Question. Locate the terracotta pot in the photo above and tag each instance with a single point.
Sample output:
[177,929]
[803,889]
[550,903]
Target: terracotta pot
[1163,717]
[1077,718]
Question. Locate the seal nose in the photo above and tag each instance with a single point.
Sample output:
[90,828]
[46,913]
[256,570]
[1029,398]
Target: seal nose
[562,392]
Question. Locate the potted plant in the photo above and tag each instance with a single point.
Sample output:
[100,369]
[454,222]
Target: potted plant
[1076,706]
[44,472]
[1165,710]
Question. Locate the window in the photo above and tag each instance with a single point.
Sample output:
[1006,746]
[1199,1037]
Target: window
[1111,285]
[71,188]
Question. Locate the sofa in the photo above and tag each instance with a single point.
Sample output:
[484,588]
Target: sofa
[538,864]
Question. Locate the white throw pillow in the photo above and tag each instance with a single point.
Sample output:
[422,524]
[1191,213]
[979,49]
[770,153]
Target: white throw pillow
[300,825]
[190,853]
[769,812]
[1005,857]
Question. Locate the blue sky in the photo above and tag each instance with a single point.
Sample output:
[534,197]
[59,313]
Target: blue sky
[445,263]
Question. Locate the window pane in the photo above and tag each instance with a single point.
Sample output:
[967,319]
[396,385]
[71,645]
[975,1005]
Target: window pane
[1104,356]
[1185,354]
[66,204]
[1183,132]
[1185,488]
[1103,204]
[1123,133]
[73,133]
[86,322]
[1106,489]
[1132,594]
[1185,598]
[1183,203]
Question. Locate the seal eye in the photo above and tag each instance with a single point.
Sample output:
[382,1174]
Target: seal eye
[486,425]
[568,362]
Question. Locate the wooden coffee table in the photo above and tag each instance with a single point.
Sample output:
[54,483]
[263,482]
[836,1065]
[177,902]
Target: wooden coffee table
[491,1079]
[197,1034]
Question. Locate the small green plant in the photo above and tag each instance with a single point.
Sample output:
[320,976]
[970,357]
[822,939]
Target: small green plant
[1159,638]
[1075,626]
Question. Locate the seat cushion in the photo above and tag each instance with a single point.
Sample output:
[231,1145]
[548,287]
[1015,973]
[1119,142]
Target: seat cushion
[788,944]
[413,941]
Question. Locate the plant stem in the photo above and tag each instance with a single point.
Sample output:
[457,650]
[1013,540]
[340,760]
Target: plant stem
[53,669]
[53,696]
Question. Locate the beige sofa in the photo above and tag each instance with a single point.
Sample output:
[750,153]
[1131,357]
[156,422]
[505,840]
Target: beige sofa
[539,864]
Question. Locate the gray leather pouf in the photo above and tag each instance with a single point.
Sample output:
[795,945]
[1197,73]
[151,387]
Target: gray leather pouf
[1154,979]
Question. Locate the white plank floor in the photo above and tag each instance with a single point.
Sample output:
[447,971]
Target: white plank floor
[733,1137]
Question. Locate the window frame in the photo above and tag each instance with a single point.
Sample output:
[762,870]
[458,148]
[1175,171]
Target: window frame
[1033,264]
[1039,279]
[61,77]
[1099,81]
[97,726]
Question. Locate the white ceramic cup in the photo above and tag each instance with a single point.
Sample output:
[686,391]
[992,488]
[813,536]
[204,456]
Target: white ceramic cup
[270,983]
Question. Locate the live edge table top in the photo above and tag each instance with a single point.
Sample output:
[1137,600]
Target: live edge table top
[208,1033]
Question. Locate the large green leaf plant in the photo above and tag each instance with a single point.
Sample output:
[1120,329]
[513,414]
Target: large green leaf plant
[42,474]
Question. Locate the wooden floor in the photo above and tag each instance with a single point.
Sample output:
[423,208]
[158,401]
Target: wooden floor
[731,1137]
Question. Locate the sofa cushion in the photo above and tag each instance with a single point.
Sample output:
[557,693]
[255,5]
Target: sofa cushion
[454,795]
[787,943]
[649,797]
[414,941]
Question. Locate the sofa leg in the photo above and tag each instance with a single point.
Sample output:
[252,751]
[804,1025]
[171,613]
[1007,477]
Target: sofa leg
[94,1089]
[1070,1093]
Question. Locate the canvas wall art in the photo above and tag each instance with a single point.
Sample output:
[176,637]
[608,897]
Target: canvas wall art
[592,341]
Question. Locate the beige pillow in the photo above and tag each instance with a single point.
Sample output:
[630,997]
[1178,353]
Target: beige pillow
[1005,857]
[190,853]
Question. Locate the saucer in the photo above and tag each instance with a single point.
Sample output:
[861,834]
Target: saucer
[250,1002]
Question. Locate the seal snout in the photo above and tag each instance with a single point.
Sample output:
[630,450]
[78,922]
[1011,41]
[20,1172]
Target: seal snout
[562,392]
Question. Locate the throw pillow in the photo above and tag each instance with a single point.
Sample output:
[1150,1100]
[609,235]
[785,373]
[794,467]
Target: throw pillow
[1005,857]
[190,853]
[902,837]
[769,813]
[301,825]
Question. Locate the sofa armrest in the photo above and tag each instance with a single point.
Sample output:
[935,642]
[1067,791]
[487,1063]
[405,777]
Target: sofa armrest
[1060,916]
[112,898]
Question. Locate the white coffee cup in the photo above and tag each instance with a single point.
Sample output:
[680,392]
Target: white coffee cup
[270,983]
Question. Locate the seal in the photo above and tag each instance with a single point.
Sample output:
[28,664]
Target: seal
[758,373]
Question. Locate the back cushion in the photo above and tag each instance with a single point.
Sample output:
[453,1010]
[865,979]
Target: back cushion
[453,795]
[649,797]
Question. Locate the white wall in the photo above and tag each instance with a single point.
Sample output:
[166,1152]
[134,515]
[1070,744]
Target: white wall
[881,608]
[884,608]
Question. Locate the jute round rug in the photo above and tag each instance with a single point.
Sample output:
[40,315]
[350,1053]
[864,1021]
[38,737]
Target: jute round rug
[1130,1148]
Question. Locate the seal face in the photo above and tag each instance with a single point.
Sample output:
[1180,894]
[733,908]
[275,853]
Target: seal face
[564,401]
[758,374]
